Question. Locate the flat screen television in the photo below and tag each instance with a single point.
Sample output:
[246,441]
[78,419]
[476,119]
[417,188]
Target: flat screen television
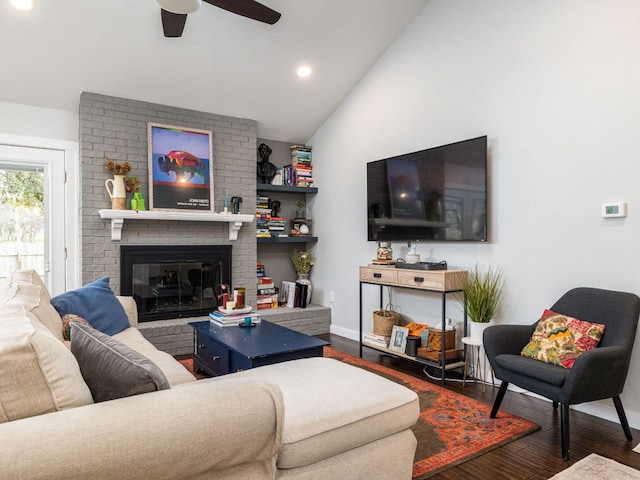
[438,194]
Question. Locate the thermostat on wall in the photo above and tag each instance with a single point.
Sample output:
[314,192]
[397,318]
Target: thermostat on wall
[618,209]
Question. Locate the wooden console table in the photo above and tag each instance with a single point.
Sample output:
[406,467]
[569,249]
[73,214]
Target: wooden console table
[435,281]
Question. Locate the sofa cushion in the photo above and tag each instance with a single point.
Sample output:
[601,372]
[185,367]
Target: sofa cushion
[175,372]
[97,304]
[111,369]
[38,374]
[26,288]
[332,407]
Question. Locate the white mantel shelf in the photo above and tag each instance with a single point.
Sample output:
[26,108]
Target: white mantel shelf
[118,217]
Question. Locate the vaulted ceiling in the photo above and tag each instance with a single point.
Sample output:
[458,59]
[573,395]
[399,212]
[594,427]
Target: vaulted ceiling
[223,63]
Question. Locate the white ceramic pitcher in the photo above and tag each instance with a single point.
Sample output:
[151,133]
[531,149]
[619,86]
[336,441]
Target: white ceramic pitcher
[117,192]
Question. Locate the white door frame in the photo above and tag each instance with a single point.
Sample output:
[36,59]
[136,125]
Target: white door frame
[61,161]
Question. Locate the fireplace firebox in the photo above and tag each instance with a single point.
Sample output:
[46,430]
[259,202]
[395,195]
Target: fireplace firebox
[174,281]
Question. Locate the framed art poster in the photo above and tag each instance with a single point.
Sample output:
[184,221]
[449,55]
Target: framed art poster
[180,168]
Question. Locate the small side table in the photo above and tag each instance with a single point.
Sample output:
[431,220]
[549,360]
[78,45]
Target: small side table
[474,345]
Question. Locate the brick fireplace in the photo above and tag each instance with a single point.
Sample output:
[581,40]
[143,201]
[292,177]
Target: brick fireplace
[117,128]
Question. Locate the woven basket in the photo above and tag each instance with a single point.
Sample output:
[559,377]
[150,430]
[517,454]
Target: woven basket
[384,320]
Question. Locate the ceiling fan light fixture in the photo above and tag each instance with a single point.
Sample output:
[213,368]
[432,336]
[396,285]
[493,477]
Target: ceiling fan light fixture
[179,6]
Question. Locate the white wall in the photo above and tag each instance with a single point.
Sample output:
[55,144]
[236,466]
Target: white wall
[554,85]
[38,122]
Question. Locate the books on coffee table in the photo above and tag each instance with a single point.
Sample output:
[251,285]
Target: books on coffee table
[232,319]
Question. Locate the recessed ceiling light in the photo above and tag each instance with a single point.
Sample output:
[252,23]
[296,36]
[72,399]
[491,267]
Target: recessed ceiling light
[23,5]
[304,71]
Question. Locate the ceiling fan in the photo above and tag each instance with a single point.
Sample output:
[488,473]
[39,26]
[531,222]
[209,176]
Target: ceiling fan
[174,12]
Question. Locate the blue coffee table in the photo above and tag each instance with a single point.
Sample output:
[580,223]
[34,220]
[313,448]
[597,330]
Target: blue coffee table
[222,350]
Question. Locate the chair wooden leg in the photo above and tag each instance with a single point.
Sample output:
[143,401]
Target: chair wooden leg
[496,404]
[623,418]
[564,430]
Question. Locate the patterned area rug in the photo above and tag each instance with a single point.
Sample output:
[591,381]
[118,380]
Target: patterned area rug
[597,467]
[452,428]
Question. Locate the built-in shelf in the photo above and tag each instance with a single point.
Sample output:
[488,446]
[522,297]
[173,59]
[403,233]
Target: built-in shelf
[118,217]
[266,187]
[289,239]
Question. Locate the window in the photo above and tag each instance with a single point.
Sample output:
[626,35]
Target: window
[33,207]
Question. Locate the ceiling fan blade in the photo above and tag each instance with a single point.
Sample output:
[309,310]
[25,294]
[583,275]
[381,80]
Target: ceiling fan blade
[173,23]
[248,8]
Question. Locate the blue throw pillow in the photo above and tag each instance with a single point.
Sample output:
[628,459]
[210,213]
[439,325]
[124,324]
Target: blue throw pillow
[97,304]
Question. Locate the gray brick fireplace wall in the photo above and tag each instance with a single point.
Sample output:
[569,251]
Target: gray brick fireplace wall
[117,128]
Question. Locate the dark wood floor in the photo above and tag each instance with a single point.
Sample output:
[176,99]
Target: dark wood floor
[534,457]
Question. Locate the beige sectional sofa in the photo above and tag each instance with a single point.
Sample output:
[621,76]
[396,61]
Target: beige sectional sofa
[308,419]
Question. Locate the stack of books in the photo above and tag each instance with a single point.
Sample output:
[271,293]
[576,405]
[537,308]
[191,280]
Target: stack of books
[263,215]
[299,172]
[276,227]
[232,319]
[301,163]
[376,340]
[267,293]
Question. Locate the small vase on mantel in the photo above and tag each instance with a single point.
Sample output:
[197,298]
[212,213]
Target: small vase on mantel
[117,192]
[303,278]
[137,202]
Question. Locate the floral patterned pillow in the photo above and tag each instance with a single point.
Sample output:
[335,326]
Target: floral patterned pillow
[67,320]
[560,340]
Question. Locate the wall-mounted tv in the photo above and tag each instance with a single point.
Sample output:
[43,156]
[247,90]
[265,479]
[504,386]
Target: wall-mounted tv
[437,194]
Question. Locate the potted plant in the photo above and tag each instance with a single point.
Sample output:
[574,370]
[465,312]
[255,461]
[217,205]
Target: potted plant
[300,213]
[302,263]
[481,294]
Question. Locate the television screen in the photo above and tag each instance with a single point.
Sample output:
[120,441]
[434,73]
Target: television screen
[437,194]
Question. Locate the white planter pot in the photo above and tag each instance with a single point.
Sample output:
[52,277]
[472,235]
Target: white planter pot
[476,330]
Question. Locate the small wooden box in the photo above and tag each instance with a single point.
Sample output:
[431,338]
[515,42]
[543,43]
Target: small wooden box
[435,340]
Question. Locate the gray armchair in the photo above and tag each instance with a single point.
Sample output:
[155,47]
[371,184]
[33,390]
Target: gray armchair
[597,374]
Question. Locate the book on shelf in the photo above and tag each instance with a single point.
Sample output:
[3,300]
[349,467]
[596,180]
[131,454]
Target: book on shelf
[266,306]
[287,293]
[300,295]
[266,291]
[264,299]
[377,340]
[277,178]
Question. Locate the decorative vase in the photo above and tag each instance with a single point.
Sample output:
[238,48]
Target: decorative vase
[303,278]
[117,192]
[137,202]
[476,329]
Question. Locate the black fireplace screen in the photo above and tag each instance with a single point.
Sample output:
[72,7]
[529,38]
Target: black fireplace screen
[174,281]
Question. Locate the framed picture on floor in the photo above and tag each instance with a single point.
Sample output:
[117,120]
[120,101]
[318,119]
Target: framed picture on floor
[180,168]
[398,341]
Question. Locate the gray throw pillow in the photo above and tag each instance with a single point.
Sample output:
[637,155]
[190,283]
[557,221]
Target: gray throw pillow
[111,369]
